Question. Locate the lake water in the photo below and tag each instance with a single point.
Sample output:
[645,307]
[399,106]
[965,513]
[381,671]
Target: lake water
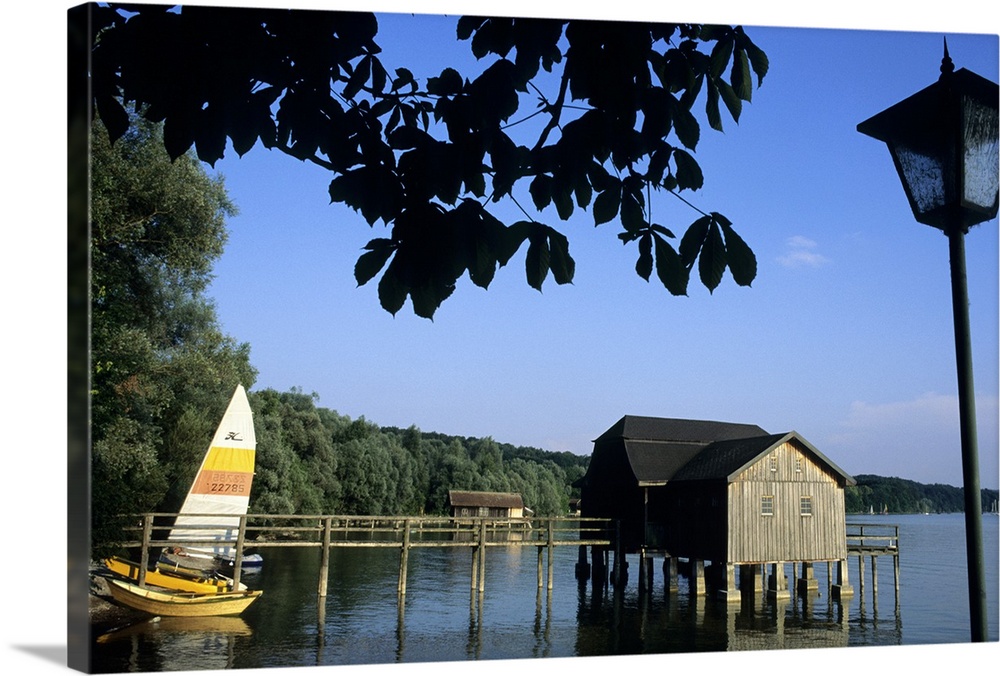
[443,620]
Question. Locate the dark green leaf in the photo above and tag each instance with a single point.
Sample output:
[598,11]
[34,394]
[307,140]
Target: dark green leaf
[689,176]
[512,239]
[606,205]
[731,100]
[721,53]
[740,76]
[563,199]
[741,259]
[113,116]
[391,291]
[644,266]
[370,263]
[712,106]
[669,268]
[448,83]
[712,261]
[358,78]
[562,264]
[541,191]
[632,213]
[686,127]
[693,239]
[536,264]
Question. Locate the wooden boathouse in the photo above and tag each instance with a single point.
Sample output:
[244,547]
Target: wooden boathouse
[725,495]
[486,504]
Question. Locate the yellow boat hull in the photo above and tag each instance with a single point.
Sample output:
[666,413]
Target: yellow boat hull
[175,580]
[167,603]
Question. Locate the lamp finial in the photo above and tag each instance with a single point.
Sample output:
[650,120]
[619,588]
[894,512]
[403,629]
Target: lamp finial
[947,66]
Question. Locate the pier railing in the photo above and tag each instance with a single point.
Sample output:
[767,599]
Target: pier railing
[405,533]
[873,540]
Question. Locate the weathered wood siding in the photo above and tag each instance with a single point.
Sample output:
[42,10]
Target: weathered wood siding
[787,474]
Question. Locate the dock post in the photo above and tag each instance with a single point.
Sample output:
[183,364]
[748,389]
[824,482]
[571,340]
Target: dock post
[404,557]
[861,575]
[541,549]
[874,575]
[549,555]
[642,571]
[147,531]
[324,565]
[238,558]
[475,566]
[482,556]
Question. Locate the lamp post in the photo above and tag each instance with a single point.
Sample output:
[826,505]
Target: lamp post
[944,143]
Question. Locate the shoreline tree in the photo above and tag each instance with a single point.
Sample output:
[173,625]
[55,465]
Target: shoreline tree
[612,121]
[161,367]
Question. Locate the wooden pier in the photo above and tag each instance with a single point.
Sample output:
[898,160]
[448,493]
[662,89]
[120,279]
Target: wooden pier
[479,534]
[872,541]
[325,532]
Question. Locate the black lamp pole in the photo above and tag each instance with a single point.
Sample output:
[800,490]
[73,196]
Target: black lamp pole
[967,425]
[943,141]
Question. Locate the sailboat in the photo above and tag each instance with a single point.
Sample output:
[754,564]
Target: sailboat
[219,495]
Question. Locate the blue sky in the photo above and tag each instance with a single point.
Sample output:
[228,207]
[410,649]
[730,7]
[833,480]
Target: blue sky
[845,336]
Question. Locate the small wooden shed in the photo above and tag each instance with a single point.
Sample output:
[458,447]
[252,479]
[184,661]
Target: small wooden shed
[727,493]
[485,504]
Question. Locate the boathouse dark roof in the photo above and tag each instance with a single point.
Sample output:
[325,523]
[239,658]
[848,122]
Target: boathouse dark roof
[659,450]
[725,460]
[485,499]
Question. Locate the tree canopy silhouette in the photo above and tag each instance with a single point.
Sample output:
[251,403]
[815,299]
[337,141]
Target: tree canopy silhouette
[613,121]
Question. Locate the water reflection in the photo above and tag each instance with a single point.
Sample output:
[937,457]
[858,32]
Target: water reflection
[178,643]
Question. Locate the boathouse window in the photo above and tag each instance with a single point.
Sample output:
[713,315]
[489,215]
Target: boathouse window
[773,460]
[798,464]
[767,505]
[806,505]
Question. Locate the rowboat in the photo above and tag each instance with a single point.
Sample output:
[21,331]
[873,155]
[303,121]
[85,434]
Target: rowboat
[169,603]
[172,577]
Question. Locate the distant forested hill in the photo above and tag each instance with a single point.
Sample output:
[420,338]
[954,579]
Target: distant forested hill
[902,496]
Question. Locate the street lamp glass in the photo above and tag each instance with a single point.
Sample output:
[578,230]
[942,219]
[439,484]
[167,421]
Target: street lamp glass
[943,141]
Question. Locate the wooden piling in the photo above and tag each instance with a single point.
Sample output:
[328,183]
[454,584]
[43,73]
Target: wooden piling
[404,557]
[324,562]
[482,556]
[147,531]
[549,545]
[238,557]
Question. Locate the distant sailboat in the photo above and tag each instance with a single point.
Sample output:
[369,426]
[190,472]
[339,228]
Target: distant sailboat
[221,487]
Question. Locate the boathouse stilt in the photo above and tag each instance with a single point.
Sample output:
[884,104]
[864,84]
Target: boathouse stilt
[696,580]
[807,584]
[670,574]
[729,592]
[842,589]
[777,583]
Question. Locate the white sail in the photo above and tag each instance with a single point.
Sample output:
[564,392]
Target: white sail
[222,485]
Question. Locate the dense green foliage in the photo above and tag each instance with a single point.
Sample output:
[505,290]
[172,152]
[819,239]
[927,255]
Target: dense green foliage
[162,370]
[902,496]
[312,460]
[562,115]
